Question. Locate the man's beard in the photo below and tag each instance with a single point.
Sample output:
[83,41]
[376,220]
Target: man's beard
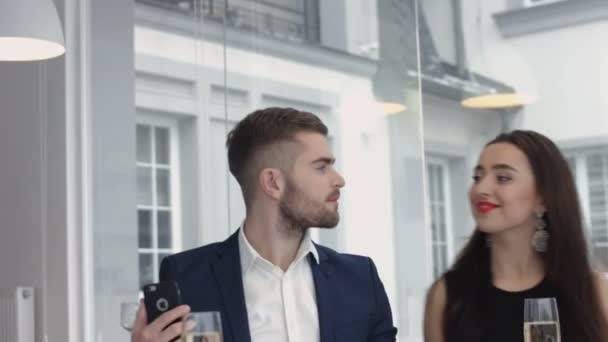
[301,213]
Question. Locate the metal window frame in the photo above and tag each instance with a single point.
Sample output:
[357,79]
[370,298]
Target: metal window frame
[444,164]
[175,189]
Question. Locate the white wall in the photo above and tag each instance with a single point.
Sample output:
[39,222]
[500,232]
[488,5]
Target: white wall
[35,234]
[563,70]
[571,71]
[449,123]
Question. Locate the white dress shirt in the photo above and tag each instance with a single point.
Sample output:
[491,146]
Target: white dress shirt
[281,306]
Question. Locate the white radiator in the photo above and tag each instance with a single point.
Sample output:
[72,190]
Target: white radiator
[17,315]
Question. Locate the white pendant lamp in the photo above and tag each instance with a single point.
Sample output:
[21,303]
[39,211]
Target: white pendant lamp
[509,66]
[30,30]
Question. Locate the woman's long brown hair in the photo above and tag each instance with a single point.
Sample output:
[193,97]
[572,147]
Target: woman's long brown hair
[567,265]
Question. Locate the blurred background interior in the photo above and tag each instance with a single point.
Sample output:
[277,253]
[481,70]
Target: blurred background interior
[113,156]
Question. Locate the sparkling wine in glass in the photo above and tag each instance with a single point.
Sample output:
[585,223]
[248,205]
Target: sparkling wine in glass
[541,320]
[128,315]
[202,327]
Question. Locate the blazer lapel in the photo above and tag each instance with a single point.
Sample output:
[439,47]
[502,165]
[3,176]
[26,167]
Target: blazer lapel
[227,271]
[322,272]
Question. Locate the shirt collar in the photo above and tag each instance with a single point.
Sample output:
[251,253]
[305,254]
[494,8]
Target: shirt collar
[307,247]
[246,251]
[249,255]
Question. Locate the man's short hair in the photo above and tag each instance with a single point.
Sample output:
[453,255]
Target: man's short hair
[258,141]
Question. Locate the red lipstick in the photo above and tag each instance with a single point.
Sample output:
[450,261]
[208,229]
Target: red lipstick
[485,206]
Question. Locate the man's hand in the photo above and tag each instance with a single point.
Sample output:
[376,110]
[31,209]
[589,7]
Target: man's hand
[161,330]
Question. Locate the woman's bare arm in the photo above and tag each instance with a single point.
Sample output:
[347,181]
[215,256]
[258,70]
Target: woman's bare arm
[436,299]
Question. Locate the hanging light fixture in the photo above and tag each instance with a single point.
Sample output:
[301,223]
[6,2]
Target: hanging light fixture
[493,101]
[393,107]
[30,30]
[396,55]
[485,96]
[492,95]
[503,63]
[389,90]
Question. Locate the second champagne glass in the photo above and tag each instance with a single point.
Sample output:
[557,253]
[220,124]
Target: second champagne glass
[128,315]
[202,327]
[541,320]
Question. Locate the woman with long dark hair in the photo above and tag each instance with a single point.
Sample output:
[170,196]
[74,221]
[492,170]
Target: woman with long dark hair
[529,243]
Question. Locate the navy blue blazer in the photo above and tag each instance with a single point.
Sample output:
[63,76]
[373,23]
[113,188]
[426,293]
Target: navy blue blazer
[351,300]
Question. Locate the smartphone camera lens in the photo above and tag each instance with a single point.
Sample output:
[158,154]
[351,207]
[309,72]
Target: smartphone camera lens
[162,304]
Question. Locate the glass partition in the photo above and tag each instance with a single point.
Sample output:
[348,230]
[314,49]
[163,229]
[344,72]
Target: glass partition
[159,179]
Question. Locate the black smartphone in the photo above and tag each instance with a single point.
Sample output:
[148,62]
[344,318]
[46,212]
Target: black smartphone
[160,298]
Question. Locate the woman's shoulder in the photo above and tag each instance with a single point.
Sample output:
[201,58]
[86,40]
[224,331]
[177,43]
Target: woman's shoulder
[601,278]
[601,281]
[438,290]
[451,283]
[434,311]
[436,298]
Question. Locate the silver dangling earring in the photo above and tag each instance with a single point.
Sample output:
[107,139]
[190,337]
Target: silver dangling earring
[540,239]
[488,240]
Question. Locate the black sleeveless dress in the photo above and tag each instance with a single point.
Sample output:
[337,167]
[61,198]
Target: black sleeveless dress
[507,318]
[504,321]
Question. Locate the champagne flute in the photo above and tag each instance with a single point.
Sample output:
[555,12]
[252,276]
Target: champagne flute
[541,320]
[128,315]
[202,327]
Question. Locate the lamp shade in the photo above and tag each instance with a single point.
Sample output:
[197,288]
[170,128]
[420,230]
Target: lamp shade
[508,66]
[29,30]
[493,101]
